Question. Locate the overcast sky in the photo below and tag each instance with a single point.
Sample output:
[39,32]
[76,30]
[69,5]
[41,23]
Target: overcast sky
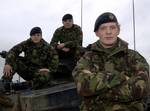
[17,17]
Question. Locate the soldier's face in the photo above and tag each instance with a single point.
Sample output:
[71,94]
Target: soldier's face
[36,38]
[108,33]
[68,23]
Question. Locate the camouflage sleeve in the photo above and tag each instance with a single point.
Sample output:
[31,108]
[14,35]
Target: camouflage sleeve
[53,60]
[55,39]
[139,79]
[89,82]
[77,42]
[14,52]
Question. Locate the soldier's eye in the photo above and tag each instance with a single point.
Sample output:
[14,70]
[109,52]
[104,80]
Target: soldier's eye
[113,27]
[102,28]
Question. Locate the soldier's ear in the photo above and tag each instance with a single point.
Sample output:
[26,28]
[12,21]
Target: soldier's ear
[96,33]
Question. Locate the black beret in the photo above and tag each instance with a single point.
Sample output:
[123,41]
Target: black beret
[67,16]
[104,18]
[35,30]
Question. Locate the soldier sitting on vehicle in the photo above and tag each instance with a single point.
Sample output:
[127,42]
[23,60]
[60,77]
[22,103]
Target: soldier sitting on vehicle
[67,40]
[39,61]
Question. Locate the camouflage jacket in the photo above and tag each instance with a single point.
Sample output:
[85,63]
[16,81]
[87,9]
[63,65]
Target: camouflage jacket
[116,74]
[71,37]
[40,55]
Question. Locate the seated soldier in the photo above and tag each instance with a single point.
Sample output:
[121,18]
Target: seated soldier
[39,61]
[67,40]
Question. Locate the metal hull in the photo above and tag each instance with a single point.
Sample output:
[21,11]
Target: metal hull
[58,98]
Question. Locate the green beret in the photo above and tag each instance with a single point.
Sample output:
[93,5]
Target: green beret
[104,18]
[66,17]
[35,30]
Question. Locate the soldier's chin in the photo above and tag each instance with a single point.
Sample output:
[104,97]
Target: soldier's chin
[108,45]
[36,42]
[68,26]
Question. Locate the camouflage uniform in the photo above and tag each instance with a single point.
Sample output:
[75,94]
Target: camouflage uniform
[36,56]
[113,79]
[72,38]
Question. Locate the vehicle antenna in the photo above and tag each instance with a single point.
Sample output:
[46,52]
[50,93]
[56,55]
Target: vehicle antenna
[133,16]
[81,12]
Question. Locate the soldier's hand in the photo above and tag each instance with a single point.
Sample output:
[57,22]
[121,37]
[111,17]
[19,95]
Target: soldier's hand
[142,74]
[60,46]
[117,79]
[7,70]
[66,49]
[138,85]
[44,70]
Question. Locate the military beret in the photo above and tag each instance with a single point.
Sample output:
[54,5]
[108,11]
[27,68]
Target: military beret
[104,18]
[35,30]
[67,16]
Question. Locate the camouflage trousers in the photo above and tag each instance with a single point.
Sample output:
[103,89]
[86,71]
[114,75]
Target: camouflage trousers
[67,59]
[30,73]
[113,106]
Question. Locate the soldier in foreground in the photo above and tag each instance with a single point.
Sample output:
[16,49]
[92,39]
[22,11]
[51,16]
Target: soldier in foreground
[39,61]
[67,40]
[111,77]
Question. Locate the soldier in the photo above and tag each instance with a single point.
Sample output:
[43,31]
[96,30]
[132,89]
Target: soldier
[111,77]
[67,40]
[39,61]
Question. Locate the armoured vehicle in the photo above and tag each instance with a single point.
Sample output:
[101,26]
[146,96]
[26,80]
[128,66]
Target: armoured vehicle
[61,97]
